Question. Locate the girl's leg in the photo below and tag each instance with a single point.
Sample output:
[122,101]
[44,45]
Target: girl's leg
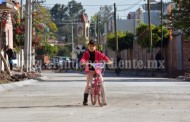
[89,80]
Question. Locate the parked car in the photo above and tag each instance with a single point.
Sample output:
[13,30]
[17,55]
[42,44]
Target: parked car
[54,64]
[65,62]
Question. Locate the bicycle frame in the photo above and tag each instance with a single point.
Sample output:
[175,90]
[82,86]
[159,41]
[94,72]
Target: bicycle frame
[96,82]
[96,86]
[98,70]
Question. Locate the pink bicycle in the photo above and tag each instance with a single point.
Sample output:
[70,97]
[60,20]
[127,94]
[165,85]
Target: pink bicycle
[96,88]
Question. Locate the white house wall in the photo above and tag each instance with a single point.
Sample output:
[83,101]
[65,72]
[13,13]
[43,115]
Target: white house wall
[9,32]
[84,31]
[155,17]
[130,25]
[121,25]
[87,26]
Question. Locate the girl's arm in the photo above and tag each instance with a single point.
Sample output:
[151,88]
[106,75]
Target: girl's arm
[84,58]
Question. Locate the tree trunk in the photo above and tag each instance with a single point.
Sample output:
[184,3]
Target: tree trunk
[7,68]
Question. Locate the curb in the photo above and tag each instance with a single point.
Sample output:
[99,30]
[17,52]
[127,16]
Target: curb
[8,86]
[43,78]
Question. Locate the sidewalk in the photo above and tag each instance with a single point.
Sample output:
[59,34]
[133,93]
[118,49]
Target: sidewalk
[17,84]
[12,85]
[141,73]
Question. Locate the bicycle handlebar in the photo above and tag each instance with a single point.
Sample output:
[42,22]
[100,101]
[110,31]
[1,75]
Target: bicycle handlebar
[96,65]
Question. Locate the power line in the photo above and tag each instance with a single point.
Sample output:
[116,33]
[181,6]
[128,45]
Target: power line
[100,4]
[122,1]
[130,7]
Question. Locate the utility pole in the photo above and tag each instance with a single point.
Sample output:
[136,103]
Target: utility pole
[150,31]
[26,41]
[28,37]
[161,29]
[115,27]
[98,37]
[72,41]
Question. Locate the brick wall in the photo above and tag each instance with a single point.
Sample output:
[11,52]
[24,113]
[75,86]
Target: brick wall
[186,55]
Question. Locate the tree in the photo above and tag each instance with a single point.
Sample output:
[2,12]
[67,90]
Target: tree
[18,32]
[64,32]
[64,50]
[143,35]
[103,14]
[80,40]
[74,8]
[181,16]
[63,15]
[125,40]
[59,13]
[40,26]
[41,22]
[47,49]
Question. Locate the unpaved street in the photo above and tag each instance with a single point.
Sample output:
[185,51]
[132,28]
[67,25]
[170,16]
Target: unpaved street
[59,99]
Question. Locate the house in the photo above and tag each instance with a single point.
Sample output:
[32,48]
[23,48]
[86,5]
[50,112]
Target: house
[176,56]
[7,9]
[141,16]
[83,26]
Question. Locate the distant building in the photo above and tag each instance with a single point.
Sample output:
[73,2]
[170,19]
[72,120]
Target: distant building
[83,26]
[155,10]
[141,15]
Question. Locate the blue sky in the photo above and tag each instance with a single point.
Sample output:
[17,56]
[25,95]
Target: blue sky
[92,6]
[2,1]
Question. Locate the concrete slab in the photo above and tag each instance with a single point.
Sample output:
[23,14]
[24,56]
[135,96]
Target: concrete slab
[59,99]
[13,85]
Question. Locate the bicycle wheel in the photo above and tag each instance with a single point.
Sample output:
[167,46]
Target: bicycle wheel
[93,95]
[101,96]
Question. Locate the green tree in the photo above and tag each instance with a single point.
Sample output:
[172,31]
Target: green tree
[181,16]
[125,40]
[47,49]
[63,15]
[73,9]
[64,50]
[80,40]
[41,20]
[18,33]
[59,13]
[143,35]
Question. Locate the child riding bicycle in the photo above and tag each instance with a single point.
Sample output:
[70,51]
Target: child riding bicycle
[92,56]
